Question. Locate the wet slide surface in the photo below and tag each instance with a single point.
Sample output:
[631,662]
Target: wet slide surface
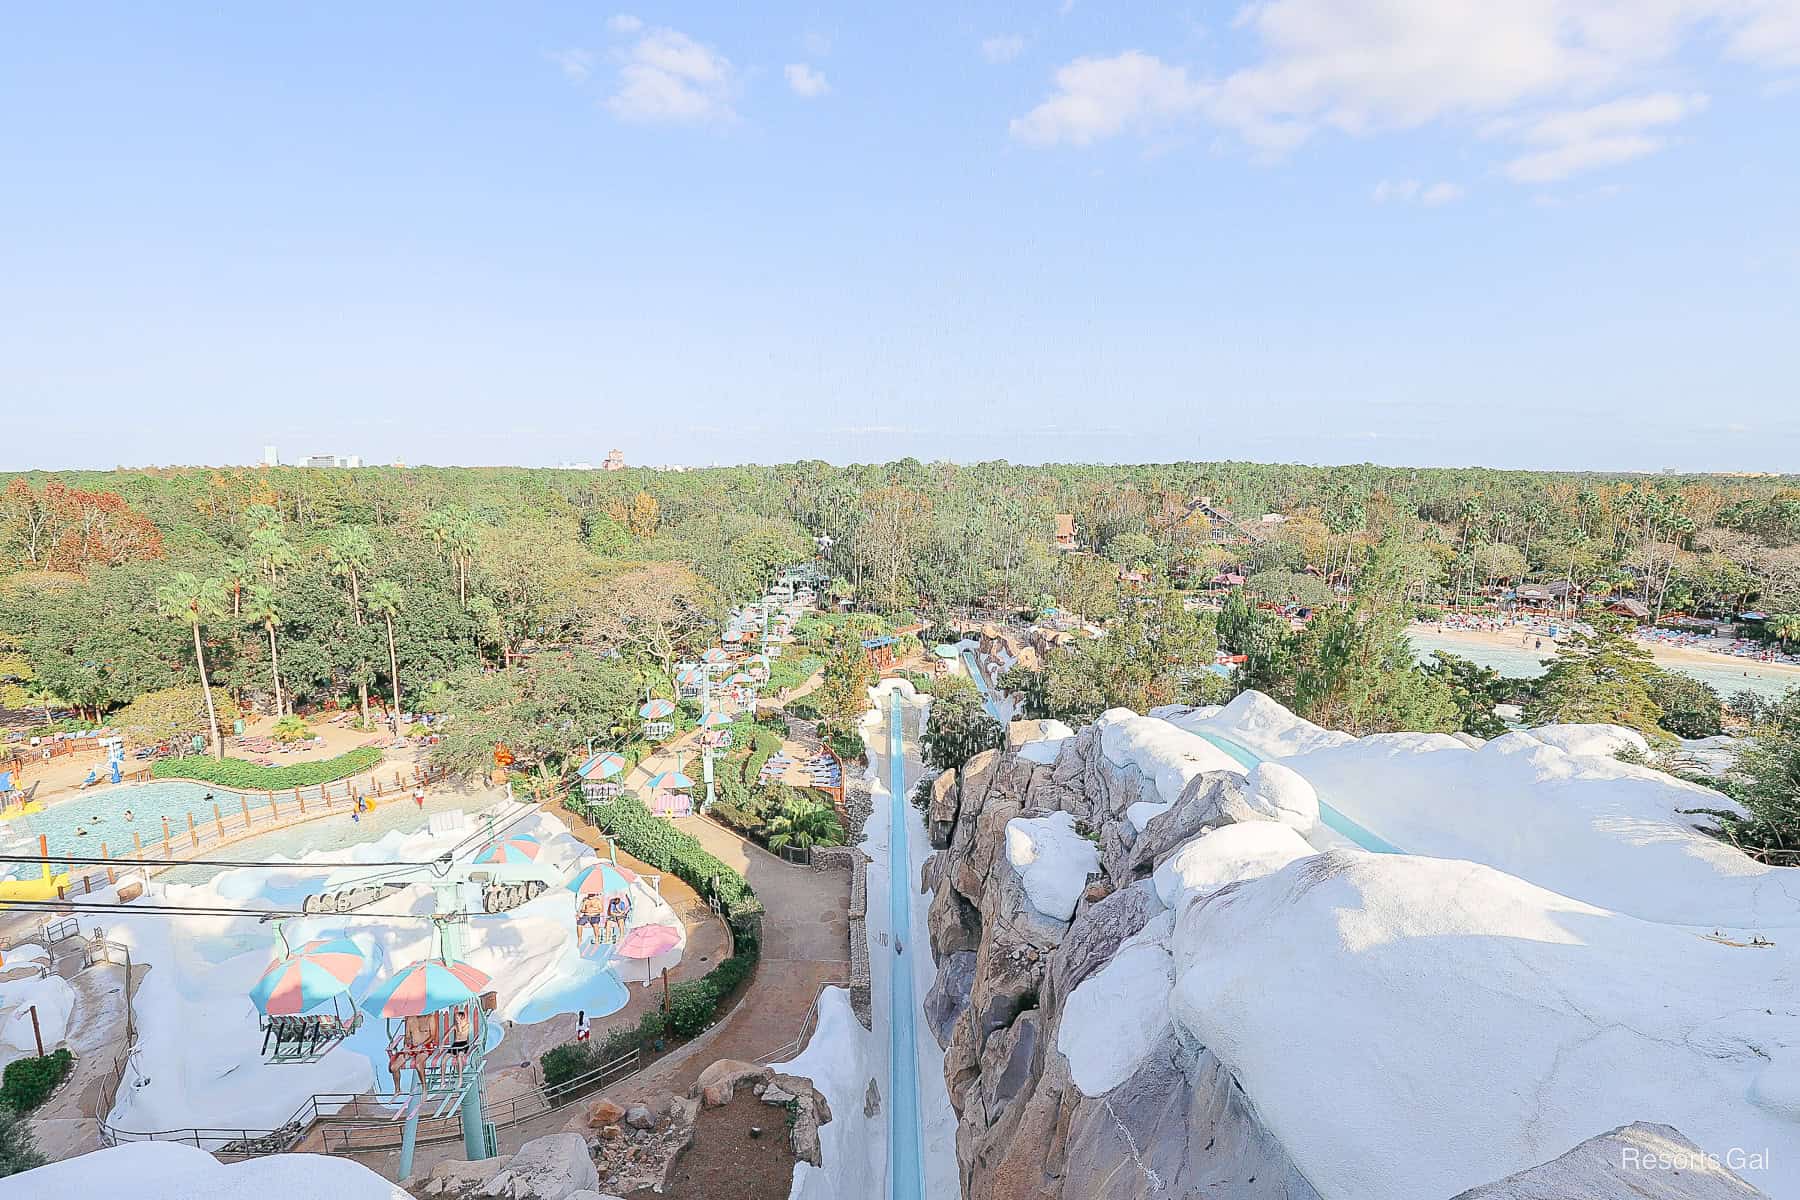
[905,1164]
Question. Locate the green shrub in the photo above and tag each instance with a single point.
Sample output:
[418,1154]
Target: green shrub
[652,840]
[248,776]
[653,1025]
[17,1152]
[28,1082]
[790,671]
[764,743]
[803,708]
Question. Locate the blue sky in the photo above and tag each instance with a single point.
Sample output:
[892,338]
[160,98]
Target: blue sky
[1556,233]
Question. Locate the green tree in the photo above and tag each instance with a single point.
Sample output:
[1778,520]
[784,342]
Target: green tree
[194,601]
[386,600]
[272,552]
[959,726]
[842,696]
[351,553]
[263,610]
[1475,690]
[1604,677]
[1690,708]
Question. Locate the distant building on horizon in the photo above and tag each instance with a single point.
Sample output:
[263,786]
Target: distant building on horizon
[270,457]
[334,460]
[614,461]
[1065,532]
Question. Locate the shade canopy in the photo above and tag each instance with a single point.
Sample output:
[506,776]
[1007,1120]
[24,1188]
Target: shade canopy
[320,970]
[739,680]
[656,708]
[671,780]
[429,986]
[602,766]
[521,849]
[714,719]
[647,941]
[602,879]
[715,655]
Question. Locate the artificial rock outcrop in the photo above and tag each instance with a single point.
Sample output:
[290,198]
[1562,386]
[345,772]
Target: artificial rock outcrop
[1071,898]
[1177,1125]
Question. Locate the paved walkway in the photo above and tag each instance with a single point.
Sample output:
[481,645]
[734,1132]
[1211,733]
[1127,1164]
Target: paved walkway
[805,945]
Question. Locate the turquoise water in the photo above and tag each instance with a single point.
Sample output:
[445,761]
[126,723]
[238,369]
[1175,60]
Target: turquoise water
[1520,663]
[906,1168]
[1329,816]
[99,814]
[987,695]
[592,987]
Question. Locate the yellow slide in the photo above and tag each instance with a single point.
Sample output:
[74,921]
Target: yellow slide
[32,889]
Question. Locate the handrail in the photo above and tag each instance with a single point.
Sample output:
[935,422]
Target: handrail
[808,1024]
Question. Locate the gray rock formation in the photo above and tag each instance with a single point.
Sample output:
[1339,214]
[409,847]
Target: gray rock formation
[1179,1125]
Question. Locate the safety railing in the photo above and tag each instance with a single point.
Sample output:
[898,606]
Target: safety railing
[808,1024]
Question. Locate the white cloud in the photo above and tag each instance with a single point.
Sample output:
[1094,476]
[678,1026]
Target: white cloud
[1360,68]
[805,81]
[575,63]
[624,23]
[1002,48]
[1098,98]
[1411,191]
[669,77]
[1602,135]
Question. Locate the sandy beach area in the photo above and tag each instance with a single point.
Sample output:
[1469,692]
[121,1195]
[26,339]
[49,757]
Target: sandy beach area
[1668,656]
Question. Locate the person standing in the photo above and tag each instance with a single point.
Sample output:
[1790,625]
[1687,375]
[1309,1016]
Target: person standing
[581,1026]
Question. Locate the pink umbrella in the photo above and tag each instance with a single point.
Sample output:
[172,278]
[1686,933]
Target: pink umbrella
[646,942]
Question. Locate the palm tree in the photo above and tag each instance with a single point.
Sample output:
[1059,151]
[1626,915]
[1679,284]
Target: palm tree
[351,553]
[454,530]
[804,824]
[386,600]
[195,601]
[263,612]
[238,574]
[272,552]
[1785,629]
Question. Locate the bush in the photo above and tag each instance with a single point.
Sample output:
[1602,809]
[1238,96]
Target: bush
[248,776]
[652,840]
[763,744]
[1690,709]
[28,1082]
[17,1152]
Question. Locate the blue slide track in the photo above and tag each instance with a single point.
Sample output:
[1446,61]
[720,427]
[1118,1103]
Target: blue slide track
[906,1168]
[1330,817]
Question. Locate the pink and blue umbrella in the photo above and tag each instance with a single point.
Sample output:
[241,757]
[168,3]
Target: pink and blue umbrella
[714,719]
[425,987]
[318,971]
[520,849]
[670,781]
[693,674]
[605,766]
[602,879]
[656,708]
[715,656]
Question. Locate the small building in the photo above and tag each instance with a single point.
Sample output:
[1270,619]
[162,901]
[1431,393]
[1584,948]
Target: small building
[1532,596]
[1636,610]
[1065,532]
[614,461]
[880,651]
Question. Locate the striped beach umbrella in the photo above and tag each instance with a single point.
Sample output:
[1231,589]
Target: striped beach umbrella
[656,708]
[602,879]
[602,766]
[690,674]
[429,986]
[715,656]
[669,781]
[740,680]
[316,972]
[521,849]
[714,719]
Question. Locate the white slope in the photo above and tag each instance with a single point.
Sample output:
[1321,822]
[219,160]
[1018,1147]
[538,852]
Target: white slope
[1410,1027]
[170,1171]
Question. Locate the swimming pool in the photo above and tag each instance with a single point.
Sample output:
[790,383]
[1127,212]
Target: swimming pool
[79,824]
